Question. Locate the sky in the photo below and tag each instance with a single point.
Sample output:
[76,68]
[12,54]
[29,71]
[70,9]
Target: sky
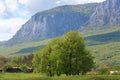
[14,13]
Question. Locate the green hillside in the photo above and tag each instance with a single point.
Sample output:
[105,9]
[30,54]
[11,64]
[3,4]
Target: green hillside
[103,44]
[100,30]
[106,54]
[22,49]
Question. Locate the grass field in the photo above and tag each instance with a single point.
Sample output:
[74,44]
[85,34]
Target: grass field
[37,76]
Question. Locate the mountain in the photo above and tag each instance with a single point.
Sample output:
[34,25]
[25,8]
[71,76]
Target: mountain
[53,22]
[107,13]
[59,20]
[104,42]
[0,43]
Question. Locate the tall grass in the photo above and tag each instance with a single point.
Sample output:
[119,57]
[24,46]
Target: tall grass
[37,76]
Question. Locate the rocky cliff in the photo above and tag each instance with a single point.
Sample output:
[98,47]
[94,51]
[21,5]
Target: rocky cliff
[107,13]
[52,23]
[59,20]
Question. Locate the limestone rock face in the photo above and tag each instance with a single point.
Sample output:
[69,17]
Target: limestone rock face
[107,13]
[52,23]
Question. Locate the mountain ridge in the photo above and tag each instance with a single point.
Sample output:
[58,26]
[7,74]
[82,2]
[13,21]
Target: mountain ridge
[103,40]
[57,21]
[52,23]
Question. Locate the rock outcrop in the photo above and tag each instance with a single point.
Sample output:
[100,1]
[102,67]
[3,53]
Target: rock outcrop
[52,23]
[107,13]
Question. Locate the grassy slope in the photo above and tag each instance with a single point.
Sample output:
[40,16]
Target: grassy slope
[104,45]
[33,76]
[22,48]
[101,31]
[106,54]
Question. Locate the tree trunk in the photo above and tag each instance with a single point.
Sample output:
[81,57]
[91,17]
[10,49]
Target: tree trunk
[70,64]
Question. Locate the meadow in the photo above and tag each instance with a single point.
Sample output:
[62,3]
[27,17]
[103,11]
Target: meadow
[38,76]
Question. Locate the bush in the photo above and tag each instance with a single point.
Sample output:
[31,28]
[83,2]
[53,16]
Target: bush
[6,67]
[103,71]
[24,68]
[116,73]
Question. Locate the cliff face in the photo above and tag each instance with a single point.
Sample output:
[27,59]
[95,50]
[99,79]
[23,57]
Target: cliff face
[59,20]
[52,23]
[40,27]
[107,13]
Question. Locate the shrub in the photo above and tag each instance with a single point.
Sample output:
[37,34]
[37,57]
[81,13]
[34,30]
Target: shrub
[6,67]
[24,68]
[103,71]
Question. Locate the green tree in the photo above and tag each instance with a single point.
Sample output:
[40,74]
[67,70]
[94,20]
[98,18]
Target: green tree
[27,60]
[66,54]
[24,68]
[16,61]
[3,61]
[42,61]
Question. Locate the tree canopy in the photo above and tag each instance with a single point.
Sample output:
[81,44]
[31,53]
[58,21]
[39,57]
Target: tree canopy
[64,55]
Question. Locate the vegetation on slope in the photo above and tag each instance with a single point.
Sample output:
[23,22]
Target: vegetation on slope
[106,54]
[27,48]
[105,50]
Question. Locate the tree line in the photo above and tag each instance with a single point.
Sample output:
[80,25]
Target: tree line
[22,62]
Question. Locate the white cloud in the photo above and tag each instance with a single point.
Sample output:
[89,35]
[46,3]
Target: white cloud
[5,36]
[87,1]
[12,5]
[32,5]
[11,8]
[77,1]
[8,27]
[58,2]
[2,8]
[25,2]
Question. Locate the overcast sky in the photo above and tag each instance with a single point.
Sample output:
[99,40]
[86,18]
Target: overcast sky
[14,13]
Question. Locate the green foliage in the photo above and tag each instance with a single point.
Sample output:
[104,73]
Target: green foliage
[24,68]
[3,61]
[103,71]
[16,61]
[6,66]
[27,60]
[115,68]
[65,54]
